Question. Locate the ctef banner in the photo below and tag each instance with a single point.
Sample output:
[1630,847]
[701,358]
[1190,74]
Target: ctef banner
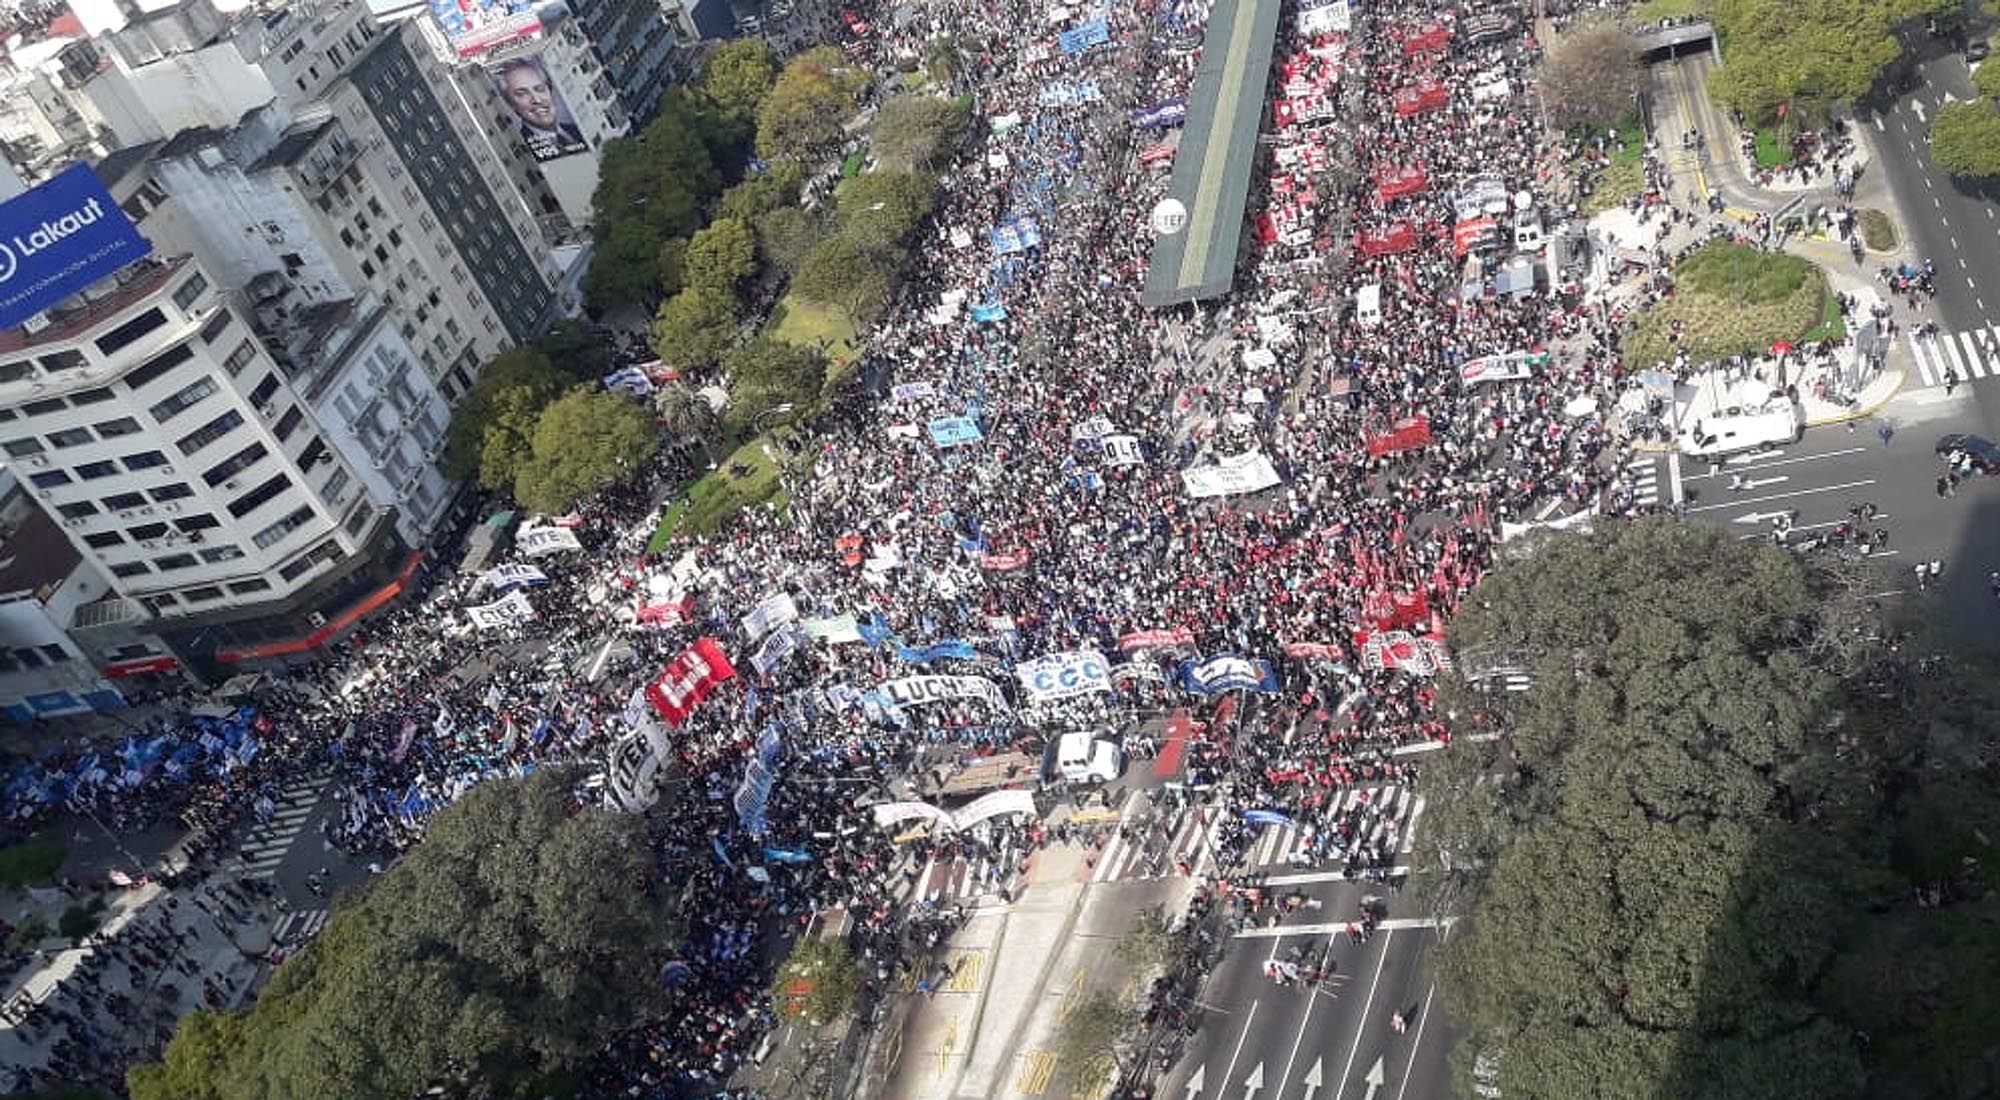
[59,238]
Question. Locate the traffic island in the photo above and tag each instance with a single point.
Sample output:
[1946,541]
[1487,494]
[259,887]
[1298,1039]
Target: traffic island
[1728,299]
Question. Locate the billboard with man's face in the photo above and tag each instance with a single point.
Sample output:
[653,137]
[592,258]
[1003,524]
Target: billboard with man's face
[58,238]
[547,128]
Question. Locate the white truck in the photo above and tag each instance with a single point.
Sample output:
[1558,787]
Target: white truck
[1082,758]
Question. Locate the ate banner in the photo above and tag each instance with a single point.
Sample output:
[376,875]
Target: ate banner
[688,679]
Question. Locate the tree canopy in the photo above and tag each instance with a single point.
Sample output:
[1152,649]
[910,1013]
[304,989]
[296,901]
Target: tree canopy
[490,430]
[738,75]
[695,327]
[1807,56]
[720,257]
[813,98]
[1592,73]
[516,938]
[819,981]
[1965,139]
[585,442]
[916,131]
[1692,854]
[765,373]
[653,188]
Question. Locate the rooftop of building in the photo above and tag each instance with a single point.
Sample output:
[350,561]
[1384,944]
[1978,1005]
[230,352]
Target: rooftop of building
[119,163]
[293,145]
[139,282]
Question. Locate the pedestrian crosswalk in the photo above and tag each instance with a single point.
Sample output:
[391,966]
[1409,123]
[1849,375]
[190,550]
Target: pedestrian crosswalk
[283,817]
[1642,476]
[298,926]
[1368,818]
[1943,356]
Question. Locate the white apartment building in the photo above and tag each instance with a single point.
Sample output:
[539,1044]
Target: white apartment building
[147,418]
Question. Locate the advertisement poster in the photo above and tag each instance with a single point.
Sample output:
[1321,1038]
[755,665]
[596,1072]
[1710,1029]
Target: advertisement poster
[546,126]
[58,238]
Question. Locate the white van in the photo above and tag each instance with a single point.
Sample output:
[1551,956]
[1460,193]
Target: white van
[1368,305]
[1081,758]
[1715,436]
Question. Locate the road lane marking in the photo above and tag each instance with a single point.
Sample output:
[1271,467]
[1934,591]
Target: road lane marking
[1740,503]
[1417,1041]
[1879,128]
[1307,878]
[1229,1073]
[1400,924]
[1674,487]
[1367,1004]
[1751,465]
[1037,1067]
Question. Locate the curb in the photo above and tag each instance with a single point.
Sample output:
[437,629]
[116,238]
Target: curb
[1902,378]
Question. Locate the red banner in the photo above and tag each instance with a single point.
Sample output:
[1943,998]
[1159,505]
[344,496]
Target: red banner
[1430,38]
[1406,434]
[1466,234]
[1155,639]
[1314,651]
[1003,561]
[688,679]
[1390,239]
[1394,183]
[669,613]
[1418,98]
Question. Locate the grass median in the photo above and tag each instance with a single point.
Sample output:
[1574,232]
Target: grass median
[1730,299]
[745,479]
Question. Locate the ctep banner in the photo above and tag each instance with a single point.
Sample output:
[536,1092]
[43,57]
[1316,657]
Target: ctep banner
[1062,675]
[1219,674]
[688,679]
[58,238]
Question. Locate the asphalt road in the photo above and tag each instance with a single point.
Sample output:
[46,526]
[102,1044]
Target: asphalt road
[1262,1041]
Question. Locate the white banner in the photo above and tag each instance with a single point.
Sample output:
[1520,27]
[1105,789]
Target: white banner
[1139,670]
[543,541]
[890,814]
[913,691]
[514,575]
[839,630]
[772,610]
[776,648]
[1121,450]
[511,608]
[1579,522]
[1062,675]
[992,805]
[1244,473]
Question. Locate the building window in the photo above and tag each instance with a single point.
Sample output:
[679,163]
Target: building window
[239,358]
[216,555]
[120,337]
[202,522]
[17,371]
[104,539]
[261,396]
[261,495]
[93,396]
[253,585]
[147,531]
[235,464]
[171,562]
[187,292]
[82,509]
[188,395]
[131,569]
[315,452]
[28,658]
[71,437]
[210,432]
[145,460]
[123,502]
[334,485]
[158,365]
[22,448]
[275,533]
[55,653]
[328,551]
[216,326]
[91,471]
[56,362]
[112,429]
[207,593]
[288,423]
[175,491]
[50,479]
[43,408]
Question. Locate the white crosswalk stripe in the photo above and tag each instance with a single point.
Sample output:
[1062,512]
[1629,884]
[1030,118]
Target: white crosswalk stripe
[1642,472]
[1966,355]
[267,843]
[298,926]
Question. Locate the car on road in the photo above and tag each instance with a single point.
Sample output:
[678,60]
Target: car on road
[1980,451]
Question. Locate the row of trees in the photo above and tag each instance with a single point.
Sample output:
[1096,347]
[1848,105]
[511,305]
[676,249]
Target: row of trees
[1965,137]
[511,943]
[1743,848]
[1781,56]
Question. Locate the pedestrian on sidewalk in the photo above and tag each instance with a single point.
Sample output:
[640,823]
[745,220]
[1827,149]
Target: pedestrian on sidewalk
[1950,380]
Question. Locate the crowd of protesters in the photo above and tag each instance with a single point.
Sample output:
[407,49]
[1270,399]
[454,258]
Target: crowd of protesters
[1062,525]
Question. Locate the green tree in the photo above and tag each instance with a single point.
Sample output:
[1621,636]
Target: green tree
[651,189]
[515,939]
[721,256]
[1807,56]
[919,131]
[490,429]
[1087,1039]
[687,416]
[738,75]
[1149,941]
[884,209]
[624,270]
[766,373]
[813,98]
[584,443]
[575,350]
[1965,139]
[819,982]
[1986,80]
[776,187]
[695,327]
[1592,73]
[849,275]
[785,236]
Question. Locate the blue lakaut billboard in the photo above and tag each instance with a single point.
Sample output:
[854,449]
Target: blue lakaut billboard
[57,239]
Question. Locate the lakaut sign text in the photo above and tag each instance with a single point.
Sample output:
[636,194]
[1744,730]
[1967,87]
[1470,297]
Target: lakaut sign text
[57,239]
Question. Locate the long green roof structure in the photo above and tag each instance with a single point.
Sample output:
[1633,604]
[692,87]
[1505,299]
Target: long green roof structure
[1217,150]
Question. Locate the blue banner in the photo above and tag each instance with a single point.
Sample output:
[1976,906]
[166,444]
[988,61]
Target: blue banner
[55,240]
[987,314]
[1094,33]
[923,655]
[874,630]
[1268,817]
[954,431]
[1226,673]
[785,855]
